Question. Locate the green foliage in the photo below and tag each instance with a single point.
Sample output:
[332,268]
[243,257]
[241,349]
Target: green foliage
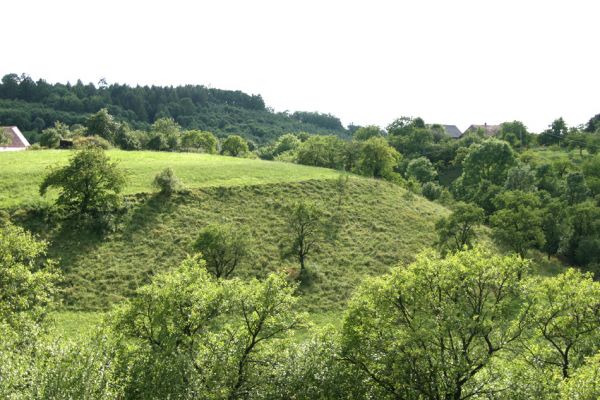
[367,132]
[167,183]
[102,124]
[51,136]
[421,169]
[432,191]
[515,133]
[88,142]
[520,177]
[200,141]
[489,161]
[28,281]
[306,229]
[89,184]
[377,158]
[321,151]
[223,247]
[234,146]
[517,224]
[457,230]
[193,334]
[584,384]
[563,316]
[428,330]
[577,190]
[583,240]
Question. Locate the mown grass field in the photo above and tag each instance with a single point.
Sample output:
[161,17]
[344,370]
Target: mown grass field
[22,172]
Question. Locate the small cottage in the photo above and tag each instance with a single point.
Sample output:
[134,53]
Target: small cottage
[11,139]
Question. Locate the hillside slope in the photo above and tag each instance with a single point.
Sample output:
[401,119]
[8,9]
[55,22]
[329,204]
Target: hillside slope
[380,227]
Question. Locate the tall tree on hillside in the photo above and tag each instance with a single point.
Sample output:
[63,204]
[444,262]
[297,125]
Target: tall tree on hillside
[306,230]
[223,247]
[89,184]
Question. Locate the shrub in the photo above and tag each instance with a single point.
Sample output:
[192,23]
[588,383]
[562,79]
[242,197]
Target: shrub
[166,182]
[431,191]
[87,142]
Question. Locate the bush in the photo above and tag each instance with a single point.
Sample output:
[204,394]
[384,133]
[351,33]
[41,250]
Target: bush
[88,142]
[166,182]
[431,191]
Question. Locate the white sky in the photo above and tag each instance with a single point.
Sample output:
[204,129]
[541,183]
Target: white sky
[367,62]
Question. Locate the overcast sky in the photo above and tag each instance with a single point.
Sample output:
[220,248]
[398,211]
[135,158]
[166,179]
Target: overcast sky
[367,62]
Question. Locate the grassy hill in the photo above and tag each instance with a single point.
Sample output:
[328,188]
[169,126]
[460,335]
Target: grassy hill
[22,172]
[380,225]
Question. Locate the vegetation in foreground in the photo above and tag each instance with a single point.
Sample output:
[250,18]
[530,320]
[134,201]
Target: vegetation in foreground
[471,325]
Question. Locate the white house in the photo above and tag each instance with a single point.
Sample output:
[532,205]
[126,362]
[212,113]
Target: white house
[13,139]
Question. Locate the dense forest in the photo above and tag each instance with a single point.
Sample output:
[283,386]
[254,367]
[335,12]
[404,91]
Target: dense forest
[35,105]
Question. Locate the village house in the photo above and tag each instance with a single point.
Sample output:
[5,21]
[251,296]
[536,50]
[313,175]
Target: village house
[12,139]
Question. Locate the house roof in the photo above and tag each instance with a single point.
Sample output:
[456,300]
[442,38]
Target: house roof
[488,130]
[452,131]
[17,140]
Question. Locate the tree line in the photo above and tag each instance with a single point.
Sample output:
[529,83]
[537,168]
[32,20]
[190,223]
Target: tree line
[36,105]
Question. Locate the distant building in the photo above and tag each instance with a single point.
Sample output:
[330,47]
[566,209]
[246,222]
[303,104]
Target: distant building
[16,140]
[487,130]
[452,131]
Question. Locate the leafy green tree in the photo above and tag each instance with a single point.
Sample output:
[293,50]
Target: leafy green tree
[431,329]
[591,172]
[89,184]
[584,383]
[200,140]
[287,142]
[554,225]
[485,169]
[563,314]
[306,230]
[555,134]
[515,133]
[165,133]
[28,280]
[377,158]
[547,179]
[593,124]
[488,161]
[457,230]
[421,169]
[235,146]
[223,247]
[577,190]
[520,177]
[517,224]
[584,222]
[102,124]
[51,137]
[321,151]
[367,132]
[197,336]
